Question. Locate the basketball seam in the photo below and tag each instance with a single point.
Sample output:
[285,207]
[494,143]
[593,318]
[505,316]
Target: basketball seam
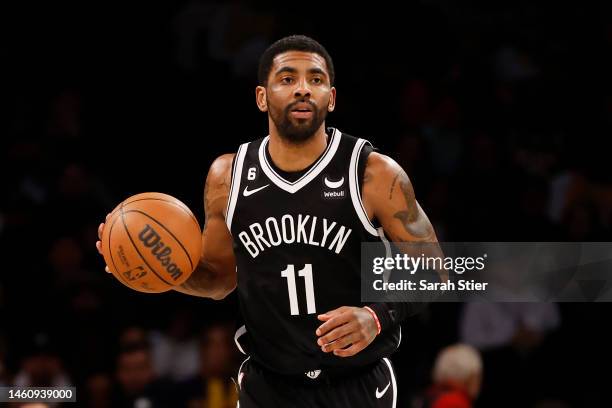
[167,230]
[182,207]
[136,248]
[111,253]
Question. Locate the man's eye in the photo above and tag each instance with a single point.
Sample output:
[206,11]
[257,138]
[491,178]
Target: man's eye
[286,80]
[317,80]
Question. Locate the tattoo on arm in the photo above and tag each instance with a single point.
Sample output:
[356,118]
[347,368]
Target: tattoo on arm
[393,184]
[416,227]
[200,278]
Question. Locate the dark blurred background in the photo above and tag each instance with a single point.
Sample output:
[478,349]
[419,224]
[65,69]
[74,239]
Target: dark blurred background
[500,112]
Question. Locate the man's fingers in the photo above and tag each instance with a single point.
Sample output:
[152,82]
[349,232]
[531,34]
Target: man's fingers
[337,333]
[328,315]
[351,351]
[100,229]
[99,243]
[342,342]
[333,323]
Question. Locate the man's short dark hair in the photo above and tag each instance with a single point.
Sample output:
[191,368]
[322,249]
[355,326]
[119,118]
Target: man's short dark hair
[292,43]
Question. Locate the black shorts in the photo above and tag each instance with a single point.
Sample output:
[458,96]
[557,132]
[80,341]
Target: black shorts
[372,386]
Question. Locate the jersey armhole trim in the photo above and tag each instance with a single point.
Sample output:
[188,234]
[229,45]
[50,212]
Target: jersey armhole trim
[239,333]
[235,185]
[355,189]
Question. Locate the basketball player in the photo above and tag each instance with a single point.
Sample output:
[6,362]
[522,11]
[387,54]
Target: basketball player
[285,218]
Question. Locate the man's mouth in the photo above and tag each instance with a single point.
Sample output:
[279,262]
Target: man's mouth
[301,111]
[301,114]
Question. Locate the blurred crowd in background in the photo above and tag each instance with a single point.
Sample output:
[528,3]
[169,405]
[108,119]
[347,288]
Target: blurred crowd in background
[501,114]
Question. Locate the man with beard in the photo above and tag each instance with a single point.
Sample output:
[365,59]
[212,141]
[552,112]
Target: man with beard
[285,219]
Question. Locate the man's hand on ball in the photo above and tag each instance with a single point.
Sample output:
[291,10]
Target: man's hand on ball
[99,243]
[346,330]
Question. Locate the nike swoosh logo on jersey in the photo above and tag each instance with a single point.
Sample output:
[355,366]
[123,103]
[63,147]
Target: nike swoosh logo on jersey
[381,393]
[248,192]
[333,184]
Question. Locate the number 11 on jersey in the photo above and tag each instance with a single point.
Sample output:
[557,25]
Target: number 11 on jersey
[306,273]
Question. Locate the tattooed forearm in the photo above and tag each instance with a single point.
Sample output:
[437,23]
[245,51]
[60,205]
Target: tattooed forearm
[204,282]
[200,278]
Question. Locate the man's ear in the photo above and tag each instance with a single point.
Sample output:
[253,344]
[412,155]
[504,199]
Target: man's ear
[331,105]
[260,98]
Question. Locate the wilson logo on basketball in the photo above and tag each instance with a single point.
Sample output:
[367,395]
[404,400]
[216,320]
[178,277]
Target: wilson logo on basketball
[151,239]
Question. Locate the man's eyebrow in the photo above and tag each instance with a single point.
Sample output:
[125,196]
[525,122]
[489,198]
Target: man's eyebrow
[290,70]
[316,71]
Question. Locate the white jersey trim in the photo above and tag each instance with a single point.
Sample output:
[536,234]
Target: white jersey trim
[235,185]
[238,379]
[400,337]
[355,190]
[241,331]
[292,187]
[388,253]
[393,382]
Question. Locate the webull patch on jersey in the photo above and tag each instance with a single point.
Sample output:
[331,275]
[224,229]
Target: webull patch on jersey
[331,195]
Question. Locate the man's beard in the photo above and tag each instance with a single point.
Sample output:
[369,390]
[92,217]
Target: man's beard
[297,131]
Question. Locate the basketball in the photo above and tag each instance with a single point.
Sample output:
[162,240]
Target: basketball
[152,242]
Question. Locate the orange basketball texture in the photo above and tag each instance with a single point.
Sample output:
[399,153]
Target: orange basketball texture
[151,242]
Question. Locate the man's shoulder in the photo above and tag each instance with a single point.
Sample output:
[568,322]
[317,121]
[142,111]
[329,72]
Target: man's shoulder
[221,167]
[223,163]
[378,163]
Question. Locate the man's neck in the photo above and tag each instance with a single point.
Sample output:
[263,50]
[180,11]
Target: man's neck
[289,156]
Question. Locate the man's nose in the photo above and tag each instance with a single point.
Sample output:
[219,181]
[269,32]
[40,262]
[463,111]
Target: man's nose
[302,89]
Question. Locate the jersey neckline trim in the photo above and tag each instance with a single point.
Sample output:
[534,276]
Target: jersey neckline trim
[292,187]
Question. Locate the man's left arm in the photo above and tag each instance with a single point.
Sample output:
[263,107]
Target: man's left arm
[389,197]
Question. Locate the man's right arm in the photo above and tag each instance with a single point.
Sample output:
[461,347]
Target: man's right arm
[215,275]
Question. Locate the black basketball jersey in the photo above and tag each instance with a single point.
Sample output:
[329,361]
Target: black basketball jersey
[297,246]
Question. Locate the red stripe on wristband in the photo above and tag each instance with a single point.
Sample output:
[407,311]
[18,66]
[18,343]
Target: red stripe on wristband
[373,313]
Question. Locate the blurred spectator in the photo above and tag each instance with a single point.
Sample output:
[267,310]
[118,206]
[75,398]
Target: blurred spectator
[213,387]
[66,259]
[457,377]
[98,390]
[131,336]
[238,47]
[519,325]
[137,385]
[511,338]
[175,351]
[41,366]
